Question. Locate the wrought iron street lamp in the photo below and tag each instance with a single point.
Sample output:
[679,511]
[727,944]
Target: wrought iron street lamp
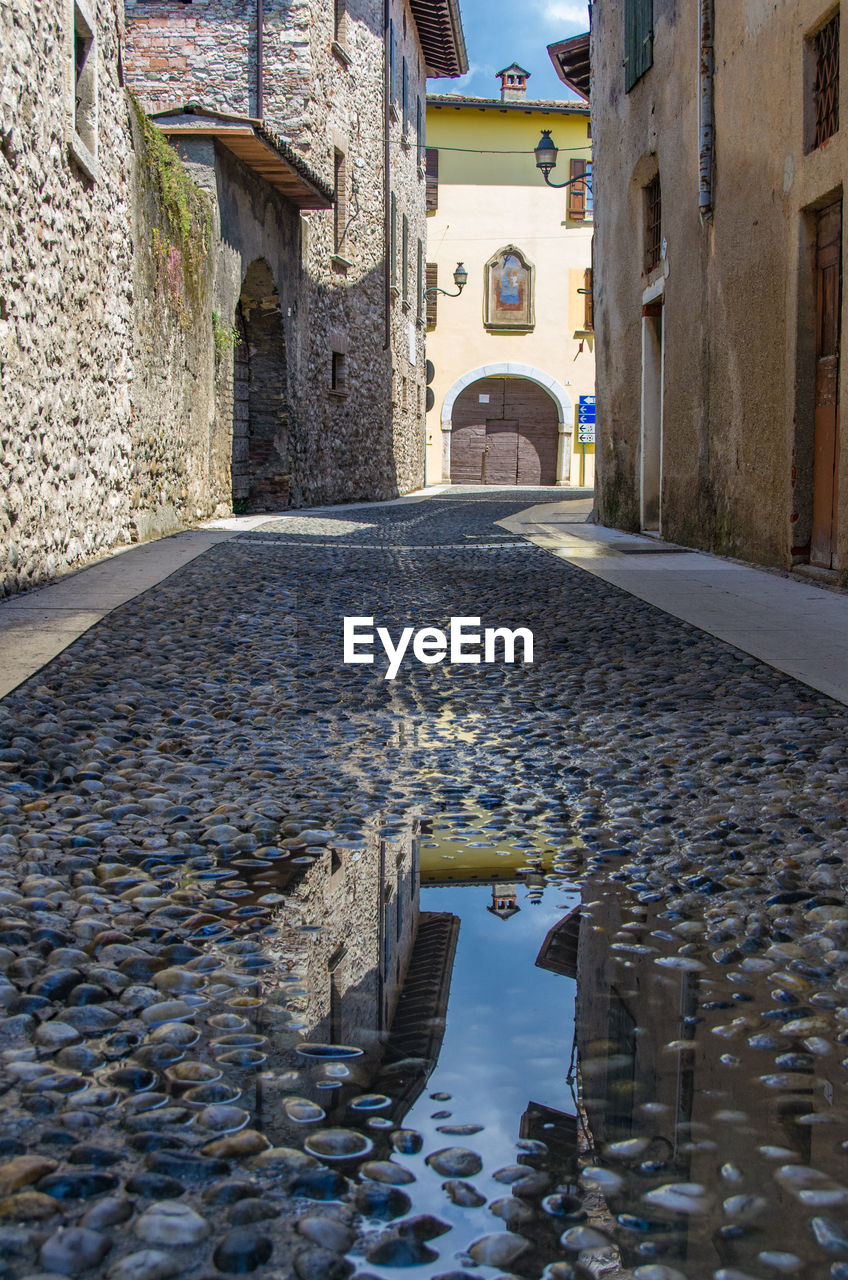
[546,157]
[460,279]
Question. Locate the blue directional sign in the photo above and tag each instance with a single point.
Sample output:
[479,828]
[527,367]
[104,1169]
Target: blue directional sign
[586,410]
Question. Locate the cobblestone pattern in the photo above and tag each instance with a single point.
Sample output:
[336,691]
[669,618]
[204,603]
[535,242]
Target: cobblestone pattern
[205,727]
[104,412]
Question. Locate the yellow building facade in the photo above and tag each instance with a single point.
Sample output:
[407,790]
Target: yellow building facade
[511,356]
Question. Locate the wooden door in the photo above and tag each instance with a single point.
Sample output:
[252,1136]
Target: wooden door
[538,431]
[501,451]
[473,408]
[504,431]
[826,431]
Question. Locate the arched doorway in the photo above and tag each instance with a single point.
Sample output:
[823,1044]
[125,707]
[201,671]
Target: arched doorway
[260,479]
[504,431]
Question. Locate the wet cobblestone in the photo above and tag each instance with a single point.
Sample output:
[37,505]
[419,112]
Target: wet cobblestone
[168,781]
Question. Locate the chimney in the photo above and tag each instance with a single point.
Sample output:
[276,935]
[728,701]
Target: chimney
[513,83]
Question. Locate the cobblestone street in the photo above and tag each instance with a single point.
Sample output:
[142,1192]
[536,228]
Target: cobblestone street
[206,814]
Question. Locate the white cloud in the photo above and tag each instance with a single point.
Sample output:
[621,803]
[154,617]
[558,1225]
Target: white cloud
[573,12]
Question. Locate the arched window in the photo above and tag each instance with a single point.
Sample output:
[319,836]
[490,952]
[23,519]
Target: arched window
[509,290]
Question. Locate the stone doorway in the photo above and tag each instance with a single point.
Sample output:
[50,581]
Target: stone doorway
[260,478]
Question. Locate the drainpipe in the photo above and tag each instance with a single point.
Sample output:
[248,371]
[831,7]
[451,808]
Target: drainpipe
[387,179]
[706,121]
[260,50]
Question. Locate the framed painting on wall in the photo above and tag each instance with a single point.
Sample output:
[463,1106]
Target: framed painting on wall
[509,290]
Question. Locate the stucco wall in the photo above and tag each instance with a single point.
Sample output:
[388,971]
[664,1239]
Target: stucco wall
[486,202]
[105,406]
[737,313]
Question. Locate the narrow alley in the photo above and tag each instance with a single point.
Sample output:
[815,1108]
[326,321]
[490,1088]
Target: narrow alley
[514,970]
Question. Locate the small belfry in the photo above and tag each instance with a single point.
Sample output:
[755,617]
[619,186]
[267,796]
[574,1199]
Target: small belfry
[513,83]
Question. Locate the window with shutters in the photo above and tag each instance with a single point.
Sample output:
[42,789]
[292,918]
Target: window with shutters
[419,133]
[653,224]
[340,21]
[392,66]
[404,262]
[405,95]
[825,49]
[432,172]
[579,193]
[638,40]
[432,298]
[588,307]
[393,243]
[340,201]
[82,105]
[419,282]
[338,373]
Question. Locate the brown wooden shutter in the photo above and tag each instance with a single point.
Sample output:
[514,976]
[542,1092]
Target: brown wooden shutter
[432,277]
[577,191]
[588,303]
[432,179]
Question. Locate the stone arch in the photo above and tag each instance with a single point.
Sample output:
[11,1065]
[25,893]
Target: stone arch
[260,446]
[512,369]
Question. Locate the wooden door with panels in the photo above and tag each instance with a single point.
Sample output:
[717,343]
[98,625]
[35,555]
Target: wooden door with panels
[826,429]
[505,431]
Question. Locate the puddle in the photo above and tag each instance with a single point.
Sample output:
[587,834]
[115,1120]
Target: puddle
[515,1069]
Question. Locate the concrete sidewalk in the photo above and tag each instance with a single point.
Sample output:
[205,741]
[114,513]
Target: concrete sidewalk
[794,626]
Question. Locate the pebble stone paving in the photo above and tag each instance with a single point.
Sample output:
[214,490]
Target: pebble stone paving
[211,721]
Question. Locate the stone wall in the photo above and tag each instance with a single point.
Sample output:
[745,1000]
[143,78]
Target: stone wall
[105,403]
[325,95]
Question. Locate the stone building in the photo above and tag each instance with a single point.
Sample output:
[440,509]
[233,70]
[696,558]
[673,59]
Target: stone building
[307,133]
[513,354]
[173,345]
[106,357]
[718,298]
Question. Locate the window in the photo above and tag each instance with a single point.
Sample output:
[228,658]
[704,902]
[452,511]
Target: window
[579,196]
[340,202]
[338,373]
[404,265]
[653,224]
[83,106]
[826,89]
[419,132]
[432,299]
[432,170]
[588,307]
[419,281]
[393,243]
[392,64]
[405,95]
[638,40]
[339,15]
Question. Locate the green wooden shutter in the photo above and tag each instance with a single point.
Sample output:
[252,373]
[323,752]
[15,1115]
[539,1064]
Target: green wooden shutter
[432,298]
[638,40]
[432,155]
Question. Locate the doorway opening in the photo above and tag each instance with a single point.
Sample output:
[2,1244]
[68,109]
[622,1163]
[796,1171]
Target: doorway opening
[652,416]
[260,479]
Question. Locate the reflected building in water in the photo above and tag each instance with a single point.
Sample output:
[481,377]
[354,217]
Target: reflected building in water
[673,1056]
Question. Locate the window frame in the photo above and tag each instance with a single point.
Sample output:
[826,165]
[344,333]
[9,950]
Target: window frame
[82,90]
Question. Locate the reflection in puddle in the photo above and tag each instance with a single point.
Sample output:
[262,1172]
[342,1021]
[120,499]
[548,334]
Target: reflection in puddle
[472,1056]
